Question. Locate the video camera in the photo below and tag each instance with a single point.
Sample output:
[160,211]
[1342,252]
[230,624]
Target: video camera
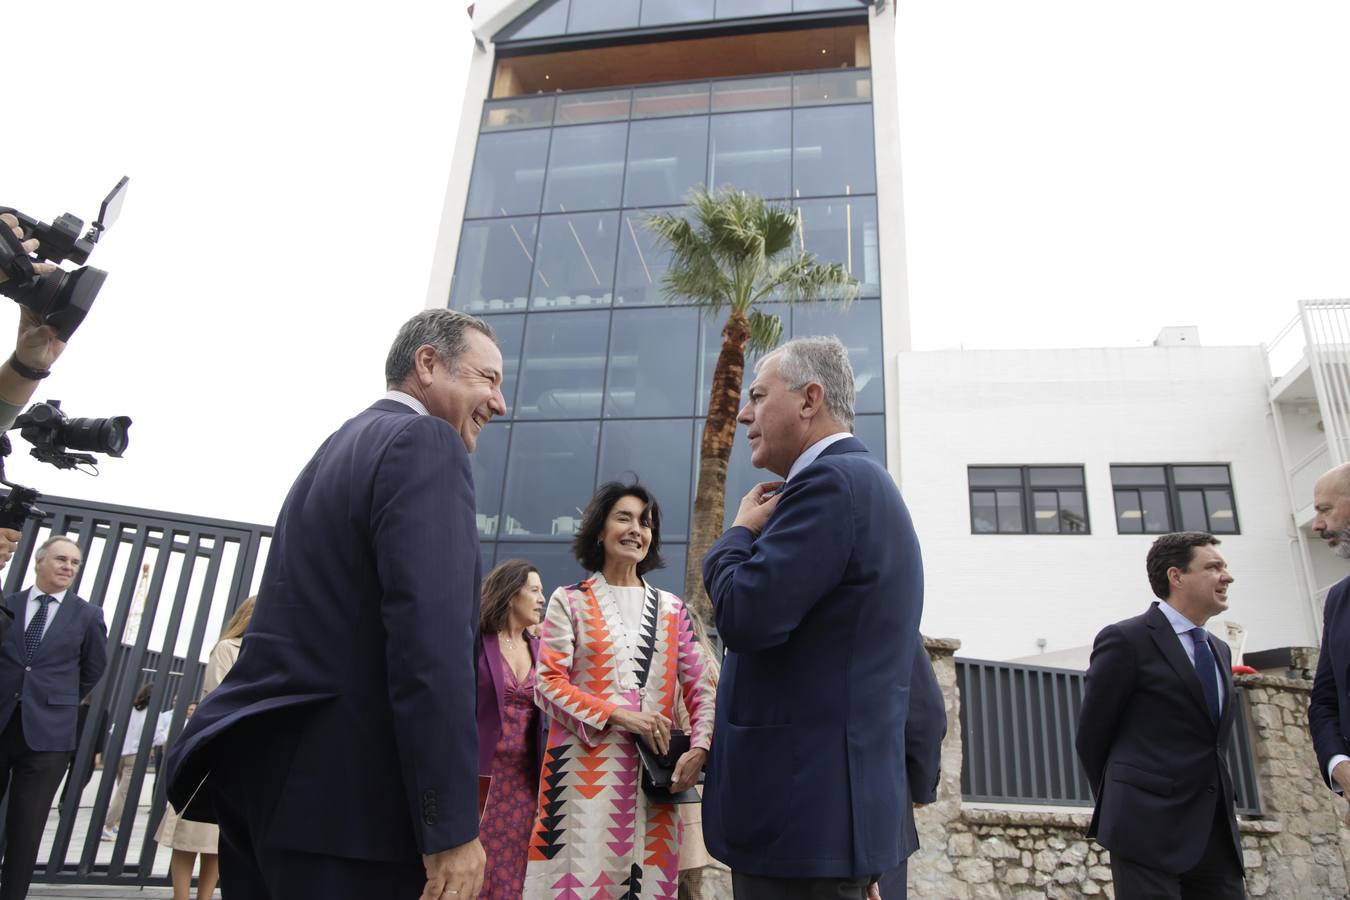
[60,299]
[53,436]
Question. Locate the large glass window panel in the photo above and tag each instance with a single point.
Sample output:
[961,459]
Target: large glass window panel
[990,476]
[659,453]
[492,270]
[670,99]
[1010,520]
[670,577]
[844,230]
[750,153]
[596,106]
[555,562]
[643,261]
[651,371]
[1073,512]
[813,5]
[1129,517]
[562,371]
[1222,515]
[510,336]
[1045,512]
[710,347]
[574,262]
[1200,474]
[1056,476]
[518,112]
[736,9]
[1193,516]
[549,478]
[547,18]
[832,151]
[859,328]
[752,93]
[666,158]
[489,470]
[602,15]
[1157,517]
[1124,476]
[508,174]
[832,86]
[489,554]
[585,168]
[983,512]
[871,430]
[665,12]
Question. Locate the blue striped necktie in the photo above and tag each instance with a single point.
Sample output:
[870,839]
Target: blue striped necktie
[33,636]
[1204,667]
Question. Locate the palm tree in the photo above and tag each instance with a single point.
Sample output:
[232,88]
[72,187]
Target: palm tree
[733,250]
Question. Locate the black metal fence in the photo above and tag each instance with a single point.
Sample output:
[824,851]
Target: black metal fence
[1018,725]
[167,584]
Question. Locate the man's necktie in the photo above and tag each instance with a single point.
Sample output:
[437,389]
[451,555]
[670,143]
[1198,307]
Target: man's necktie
[33,635]
[1204,667]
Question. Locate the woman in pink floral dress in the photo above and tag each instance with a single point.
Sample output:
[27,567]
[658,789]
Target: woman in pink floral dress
[510,735]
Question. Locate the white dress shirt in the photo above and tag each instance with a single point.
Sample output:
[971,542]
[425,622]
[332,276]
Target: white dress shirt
[33,606]
[1181,625]
[407,400]
[812,453]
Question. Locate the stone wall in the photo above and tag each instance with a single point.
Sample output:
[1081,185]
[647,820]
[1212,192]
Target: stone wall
[1298,849]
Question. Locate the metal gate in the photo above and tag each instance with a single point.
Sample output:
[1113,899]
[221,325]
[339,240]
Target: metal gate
[167,584]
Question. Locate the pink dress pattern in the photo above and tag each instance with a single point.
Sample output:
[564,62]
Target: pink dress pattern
[597,835]
[509,816]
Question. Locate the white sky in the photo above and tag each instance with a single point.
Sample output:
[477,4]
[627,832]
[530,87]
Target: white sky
[1075,174]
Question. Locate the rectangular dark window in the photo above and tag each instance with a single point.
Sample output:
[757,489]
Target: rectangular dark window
[1027,500]
[1157,499]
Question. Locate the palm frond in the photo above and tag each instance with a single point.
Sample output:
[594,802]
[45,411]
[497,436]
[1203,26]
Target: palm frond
[766,332]
[802,278]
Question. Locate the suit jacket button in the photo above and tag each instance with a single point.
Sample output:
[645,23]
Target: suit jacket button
[28,668]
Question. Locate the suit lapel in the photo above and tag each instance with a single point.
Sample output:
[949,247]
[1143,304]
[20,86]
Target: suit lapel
[1169,643]
[64,619]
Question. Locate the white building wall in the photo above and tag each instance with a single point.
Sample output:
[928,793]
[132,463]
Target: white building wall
[1094,407]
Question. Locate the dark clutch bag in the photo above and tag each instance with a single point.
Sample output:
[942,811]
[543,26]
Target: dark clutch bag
[658,770]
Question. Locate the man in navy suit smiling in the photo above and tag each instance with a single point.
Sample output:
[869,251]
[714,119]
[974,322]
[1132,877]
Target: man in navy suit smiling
[818,588]
[340,754]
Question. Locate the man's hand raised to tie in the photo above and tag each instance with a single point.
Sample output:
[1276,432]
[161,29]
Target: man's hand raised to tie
[756,506]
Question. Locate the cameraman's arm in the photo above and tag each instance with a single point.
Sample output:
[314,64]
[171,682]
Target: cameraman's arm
[37,346]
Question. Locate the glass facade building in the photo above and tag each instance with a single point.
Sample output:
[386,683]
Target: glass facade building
[605,378]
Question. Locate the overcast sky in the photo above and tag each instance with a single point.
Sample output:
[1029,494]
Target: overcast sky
[1076,174]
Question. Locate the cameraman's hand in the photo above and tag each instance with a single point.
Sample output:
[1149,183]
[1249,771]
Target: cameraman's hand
[9,542]
[30,245]
[37,346]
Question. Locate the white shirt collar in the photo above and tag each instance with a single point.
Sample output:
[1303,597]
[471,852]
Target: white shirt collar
[34,593]
[407,400]
[1180,624]
[812,453]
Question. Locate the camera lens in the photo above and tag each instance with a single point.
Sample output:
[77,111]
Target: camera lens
[96,435]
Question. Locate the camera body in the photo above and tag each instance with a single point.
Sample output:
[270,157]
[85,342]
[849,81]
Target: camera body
[62,298]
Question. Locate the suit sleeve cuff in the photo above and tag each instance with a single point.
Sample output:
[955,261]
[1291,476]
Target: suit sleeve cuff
[1331,767]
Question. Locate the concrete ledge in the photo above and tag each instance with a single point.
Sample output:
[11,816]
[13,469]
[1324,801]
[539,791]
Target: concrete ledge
[1277,682]
[1031,818]
[941,645]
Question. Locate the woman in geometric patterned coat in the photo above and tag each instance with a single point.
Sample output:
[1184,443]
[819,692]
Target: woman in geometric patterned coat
[616,657]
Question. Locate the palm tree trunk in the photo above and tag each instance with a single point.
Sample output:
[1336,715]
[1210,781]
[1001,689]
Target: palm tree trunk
[719,431]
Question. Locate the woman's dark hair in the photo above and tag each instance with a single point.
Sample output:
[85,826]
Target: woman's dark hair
[499,589]
[587,546]
[143,696]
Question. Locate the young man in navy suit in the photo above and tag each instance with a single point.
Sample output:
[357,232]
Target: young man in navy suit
[818,588]
[1154,731]
[340,754]
[1329,708]
[53,656]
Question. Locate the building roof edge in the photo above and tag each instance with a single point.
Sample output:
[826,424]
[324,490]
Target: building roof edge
[491,16]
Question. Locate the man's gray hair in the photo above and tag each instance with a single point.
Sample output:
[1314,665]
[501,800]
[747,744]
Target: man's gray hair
[54,539]
[824,361]
[444,329]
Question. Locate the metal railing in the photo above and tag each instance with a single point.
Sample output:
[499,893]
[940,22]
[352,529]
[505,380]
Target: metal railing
[166,583]
[1018,725]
